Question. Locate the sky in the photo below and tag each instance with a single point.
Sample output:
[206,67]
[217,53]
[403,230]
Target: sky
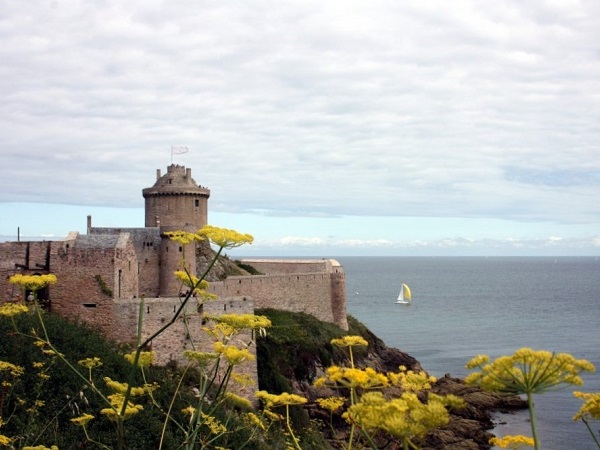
[323,128]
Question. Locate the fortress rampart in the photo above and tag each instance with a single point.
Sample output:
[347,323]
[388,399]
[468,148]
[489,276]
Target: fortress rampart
[315,287]
[103,274]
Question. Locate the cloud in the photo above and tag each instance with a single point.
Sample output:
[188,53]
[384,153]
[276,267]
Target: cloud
[319,244]
[308,109]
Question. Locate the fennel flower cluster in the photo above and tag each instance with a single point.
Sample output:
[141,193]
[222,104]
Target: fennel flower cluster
[404,417]
[117,400]
[13,309]
[11,369]
[193,282]
[83,419]
[232,354]
[283,399]
[512,441]
[349,377]
[410,380]
[144,360]
[331,404]
[33,282]
[350,341]
[221,237]
[591,405]
[227,325]
[527,371]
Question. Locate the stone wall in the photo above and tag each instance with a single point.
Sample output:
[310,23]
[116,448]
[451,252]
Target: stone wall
[285,286]
[187,329]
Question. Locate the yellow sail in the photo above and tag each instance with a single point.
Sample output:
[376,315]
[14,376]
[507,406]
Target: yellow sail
[407,294]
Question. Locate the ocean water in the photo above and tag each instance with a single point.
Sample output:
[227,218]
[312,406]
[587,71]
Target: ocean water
[465,306]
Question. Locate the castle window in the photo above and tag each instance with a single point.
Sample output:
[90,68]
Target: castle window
[197,202]
[180,249]
[89,305]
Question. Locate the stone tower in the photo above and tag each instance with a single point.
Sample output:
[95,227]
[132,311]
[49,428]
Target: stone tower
[175,202]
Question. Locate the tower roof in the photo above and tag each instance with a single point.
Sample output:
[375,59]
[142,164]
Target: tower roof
[177,181]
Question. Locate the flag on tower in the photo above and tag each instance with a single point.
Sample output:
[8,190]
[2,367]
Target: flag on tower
[178,150]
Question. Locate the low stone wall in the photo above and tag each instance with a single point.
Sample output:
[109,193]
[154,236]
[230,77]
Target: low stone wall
[185,333]
[318,294]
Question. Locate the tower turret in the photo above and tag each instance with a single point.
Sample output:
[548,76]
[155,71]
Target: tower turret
[175,202]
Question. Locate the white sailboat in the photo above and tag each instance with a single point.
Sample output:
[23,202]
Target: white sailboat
[404,296]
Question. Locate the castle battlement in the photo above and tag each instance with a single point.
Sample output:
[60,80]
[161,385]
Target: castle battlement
[103,274]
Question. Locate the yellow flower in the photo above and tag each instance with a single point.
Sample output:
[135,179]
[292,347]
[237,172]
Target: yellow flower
[191,280]
[82,420]
[223,237]
[202,358]
[403,417]
[213,424]
[243,379]
[285,398]
[145,359]
[15,371]
[114,412]
[13,309]
[477,361]
[591,406]
[121,388]
[232,354]
[183,237]
[241,321]
[527,371]
[350,341]
[40,447]
[236,400]
[411,381]
[513,442]
[349,377]
[33,282]
[331,403]
[90,363]
[4,440]
[189,410]
[200,286]
[253,421]
[220,331]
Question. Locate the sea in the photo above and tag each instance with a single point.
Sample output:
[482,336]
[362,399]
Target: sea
[465,306]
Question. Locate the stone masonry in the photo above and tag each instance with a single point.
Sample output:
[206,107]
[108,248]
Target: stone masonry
[103,274]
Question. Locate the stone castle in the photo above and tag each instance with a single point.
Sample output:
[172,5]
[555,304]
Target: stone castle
[103,274]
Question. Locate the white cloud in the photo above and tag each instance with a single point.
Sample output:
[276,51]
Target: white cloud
[308,109]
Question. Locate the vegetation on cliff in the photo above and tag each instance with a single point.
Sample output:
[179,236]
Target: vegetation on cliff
[295,351]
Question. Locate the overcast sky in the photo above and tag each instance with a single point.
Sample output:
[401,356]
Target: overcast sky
[322,127]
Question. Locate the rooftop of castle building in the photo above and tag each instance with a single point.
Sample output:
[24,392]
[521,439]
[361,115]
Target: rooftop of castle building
[177,179]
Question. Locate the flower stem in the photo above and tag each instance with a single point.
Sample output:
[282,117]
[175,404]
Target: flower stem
[591,432]
[533,421]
